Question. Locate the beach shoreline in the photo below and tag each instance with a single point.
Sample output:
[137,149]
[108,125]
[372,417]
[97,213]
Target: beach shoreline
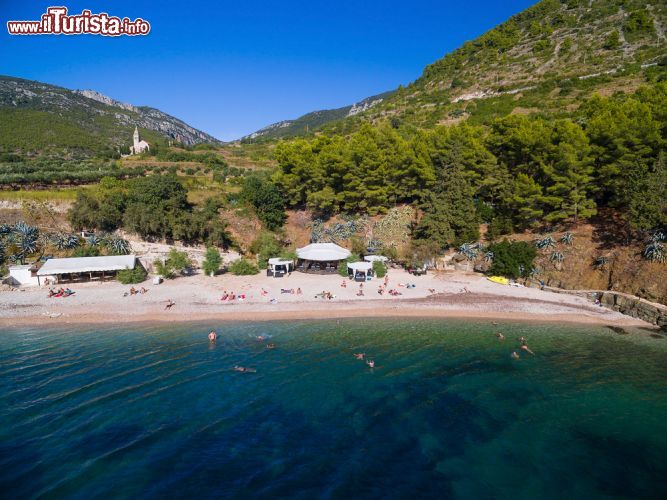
[197,299]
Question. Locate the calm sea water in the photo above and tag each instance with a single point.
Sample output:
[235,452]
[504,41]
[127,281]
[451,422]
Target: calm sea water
[158,412]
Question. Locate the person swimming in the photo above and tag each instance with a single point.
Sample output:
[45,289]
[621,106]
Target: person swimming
[522,340]
[243,369]
[370,363]
[515,355]
[360,355]
[270,346]
[525,347]
[212,336]
[500,336]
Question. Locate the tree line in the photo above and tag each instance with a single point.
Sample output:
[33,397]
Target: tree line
[515,173]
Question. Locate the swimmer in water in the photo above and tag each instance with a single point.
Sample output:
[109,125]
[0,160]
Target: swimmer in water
[525,347]
[500,336]
[515,355]
[212,336]
[261,338]
[243,369]
[522,340]
[360,355]
[370,363]
[270,346]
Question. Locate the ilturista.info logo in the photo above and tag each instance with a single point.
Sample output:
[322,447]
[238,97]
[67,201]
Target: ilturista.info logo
[57,21]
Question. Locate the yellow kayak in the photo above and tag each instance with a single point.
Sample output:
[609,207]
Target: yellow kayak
[499,279]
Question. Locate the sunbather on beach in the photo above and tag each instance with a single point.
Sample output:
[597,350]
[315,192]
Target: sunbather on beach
[143,290]
[298,291]
[52,292]
[133,291]
[170,304]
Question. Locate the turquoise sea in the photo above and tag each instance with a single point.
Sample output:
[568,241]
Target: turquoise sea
[158,412]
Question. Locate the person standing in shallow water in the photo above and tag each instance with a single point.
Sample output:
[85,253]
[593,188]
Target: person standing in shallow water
[212,336]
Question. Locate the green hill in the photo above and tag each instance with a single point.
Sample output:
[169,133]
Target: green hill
[546,59]
[314,120]
[37,118]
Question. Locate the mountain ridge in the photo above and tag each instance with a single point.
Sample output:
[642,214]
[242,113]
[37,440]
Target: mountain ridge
[99,120]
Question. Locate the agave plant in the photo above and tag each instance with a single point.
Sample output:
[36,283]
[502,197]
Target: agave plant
[64,241]
[655,252]
[557,257]
[469,250]
[658,236]
[118,246]
[535,271]
[567,238]
[93,240]
[25,238]
[488,256]
[5,229]
[522,270]
[600,262]
[545,243]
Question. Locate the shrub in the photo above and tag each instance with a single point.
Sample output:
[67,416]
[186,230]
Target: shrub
[512,258]
[86,251]
[379,269]
[242,267]
[131,276]
[212,261]
[163,269]
[264,247]
[178,261]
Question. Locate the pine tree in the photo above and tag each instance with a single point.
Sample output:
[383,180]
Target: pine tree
[570,174]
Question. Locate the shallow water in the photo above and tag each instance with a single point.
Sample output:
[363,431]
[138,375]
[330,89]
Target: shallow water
[157,412]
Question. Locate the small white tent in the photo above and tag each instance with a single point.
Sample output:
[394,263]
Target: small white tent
[373,258]
[360,269]
[277,267]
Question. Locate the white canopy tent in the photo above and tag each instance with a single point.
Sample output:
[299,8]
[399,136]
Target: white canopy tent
[373,258]
[321,257]
[359,269]
[279,267]
[80,266]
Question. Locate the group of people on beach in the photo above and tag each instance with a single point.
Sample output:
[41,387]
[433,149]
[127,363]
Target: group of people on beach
[231,296]
[134,291]
[61,292]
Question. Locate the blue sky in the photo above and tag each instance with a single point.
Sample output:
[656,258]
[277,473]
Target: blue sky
[230,68]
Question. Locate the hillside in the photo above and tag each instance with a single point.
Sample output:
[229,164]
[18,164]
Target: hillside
[314,120]
[545,59]
[36,118]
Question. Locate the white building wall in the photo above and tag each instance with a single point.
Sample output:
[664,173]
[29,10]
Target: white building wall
[21,275]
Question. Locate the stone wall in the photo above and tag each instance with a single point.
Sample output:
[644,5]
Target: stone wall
[627,304]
